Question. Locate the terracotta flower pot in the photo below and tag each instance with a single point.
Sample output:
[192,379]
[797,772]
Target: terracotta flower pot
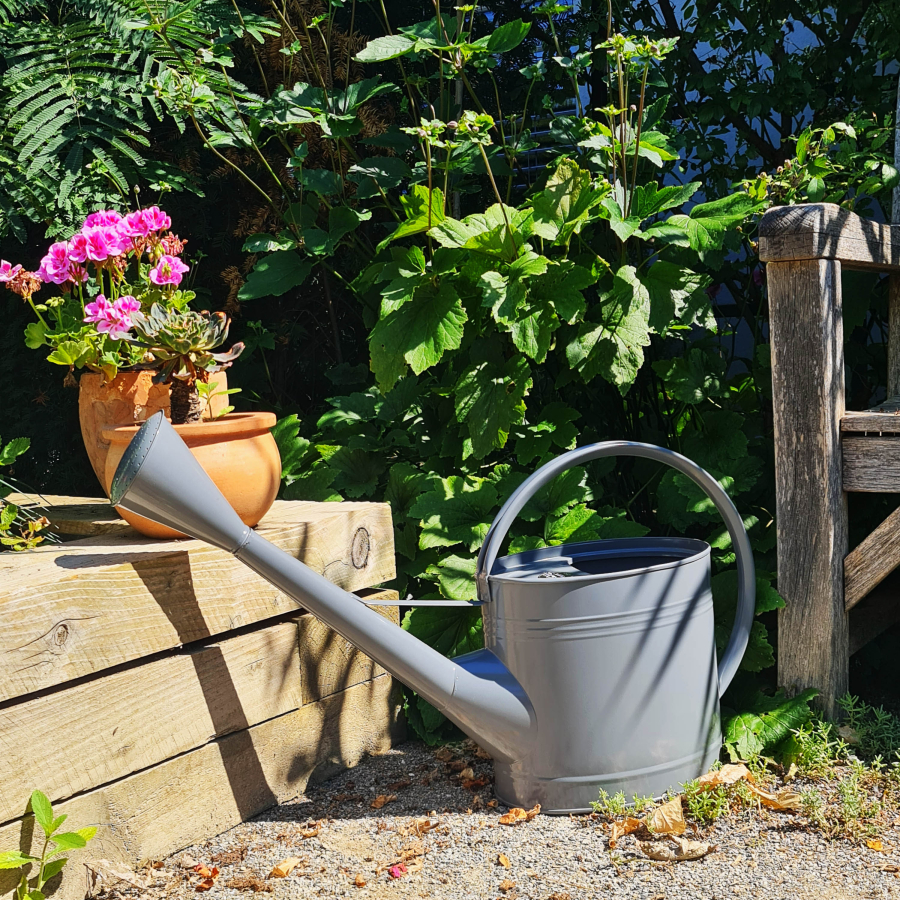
[237,451]
[129,398]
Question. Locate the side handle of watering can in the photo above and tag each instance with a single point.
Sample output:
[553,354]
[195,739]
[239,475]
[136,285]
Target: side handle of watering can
[746,605]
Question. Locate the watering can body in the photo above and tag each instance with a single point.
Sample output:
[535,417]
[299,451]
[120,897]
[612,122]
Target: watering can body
[599,669]
[612,641]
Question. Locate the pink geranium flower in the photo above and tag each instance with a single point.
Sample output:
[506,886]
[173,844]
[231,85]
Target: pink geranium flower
[168,270]
[78,251]
[135,224]
[8,271]
[102,217]
[102,242]
[156,219]
[55,265]
[113,319]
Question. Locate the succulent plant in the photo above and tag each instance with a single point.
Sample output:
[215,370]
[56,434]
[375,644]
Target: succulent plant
[182,342]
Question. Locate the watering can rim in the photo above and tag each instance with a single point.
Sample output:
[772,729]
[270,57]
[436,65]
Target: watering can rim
[697,550]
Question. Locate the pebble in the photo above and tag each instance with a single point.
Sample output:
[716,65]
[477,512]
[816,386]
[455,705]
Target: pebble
[450,841]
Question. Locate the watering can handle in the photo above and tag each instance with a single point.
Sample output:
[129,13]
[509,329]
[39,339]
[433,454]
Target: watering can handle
[746,605]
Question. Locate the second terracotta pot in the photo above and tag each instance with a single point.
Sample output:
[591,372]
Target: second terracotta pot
[237,451]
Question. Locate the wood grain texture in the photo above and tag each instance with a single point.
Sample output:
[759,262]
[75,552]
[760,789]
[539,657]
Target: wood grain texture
[825,231]
[872,561]
[893,374]
[871,463]
[116,724]
[165,808]
[881,419]
[82,607]
[874,615]
[808,401]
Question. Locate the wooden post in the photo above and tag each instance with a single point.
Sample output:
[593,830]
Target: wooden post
[807,338]
[893,374]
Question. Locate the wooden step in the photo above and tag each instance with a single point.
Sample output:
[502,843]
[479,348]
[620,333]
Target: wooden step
[881,419]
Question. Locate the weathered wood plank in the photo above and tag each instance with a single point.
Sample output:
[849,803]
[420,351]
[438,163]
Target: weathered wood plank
[872,561]
[882,419]
[871,464]
[893,373]
[808,401]
[163,809]
[879,611]
[109,727]
[84,606]
[825,231]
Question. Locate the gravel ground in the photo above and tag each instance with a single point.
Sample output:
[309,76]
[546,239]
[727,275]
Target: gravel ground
[346,848]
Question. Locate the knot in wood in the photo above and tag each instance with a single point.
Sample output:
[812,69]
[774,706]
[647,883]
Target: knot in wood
[359,548]
[61,634]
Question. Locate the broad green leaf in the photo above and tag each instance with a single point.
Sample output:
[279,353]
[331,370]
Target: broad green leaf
[562,285]
[577,524]
[13,859]
[8,513]
[275,274]
[43,811]
[57,822]
[342,220]
[563,206]
[456,577]
[614,346]
[423,210]
[314,484]
[54,867]
[34,335]
[405,484]
[265,243]
[622,227]
[292,448]
[815,190]
[649,199]
[14,449]
[490,400]
[68,840]
[724,587]
[417,333]
[375,172]
[350,411]
[666,233]
[505,38]
[487,232]
[323,182]
[552,427]
[70,353]
[449,631]
[457,510]
[708,223]
[554,499]
[693,378]
[357,470]
[720,442]
[384,48]
[671,288]
[532,331]
[771,720]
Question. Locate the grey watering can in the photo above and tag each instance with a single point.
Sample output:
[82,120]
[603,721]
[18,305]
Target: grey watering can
[599,667]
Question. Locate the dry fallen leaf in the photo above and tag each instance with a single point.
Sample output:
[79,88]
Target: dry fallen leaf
[482,754]
[359,881]
[208,877]
[620,829]
[249,883]
[889,867]
[848,735]
[285,867]
[517,814]
[443,754]
[875,844]
[421,826]
[730,774]
[503,859]
[382,799]
[467,774]
[473,784]
[785,800]
[674,849]
[312,831]
[507,885]
[668,818]
[399,785]
[103,870]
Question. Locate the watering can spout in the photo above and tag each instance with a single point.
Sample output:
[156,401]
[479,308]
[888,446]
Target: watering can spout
[159,479]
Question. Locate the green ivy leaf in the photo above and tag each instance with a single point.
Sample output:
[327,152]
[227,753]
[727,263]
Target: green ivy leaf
[457,510]
[490,400]
[275,275]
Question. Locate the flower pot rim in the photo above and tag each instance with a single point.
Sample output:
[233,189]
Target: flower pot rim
[236,423]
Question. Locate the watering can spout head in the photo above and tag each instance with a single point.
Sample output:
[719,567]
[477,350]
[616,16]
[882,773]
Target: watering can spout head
[159,478]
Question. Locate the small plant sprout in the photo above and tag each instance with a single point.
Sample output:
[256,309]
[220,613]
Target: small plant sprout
[38,870]
[207,391]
